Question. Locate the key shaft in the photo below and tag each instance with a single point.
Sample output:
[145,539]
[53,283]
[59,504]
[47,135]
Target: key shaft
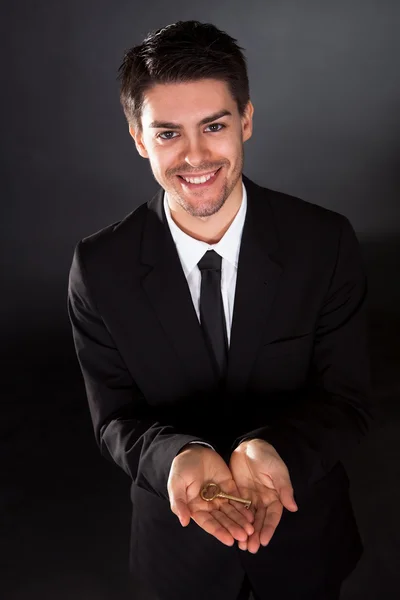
[229,497]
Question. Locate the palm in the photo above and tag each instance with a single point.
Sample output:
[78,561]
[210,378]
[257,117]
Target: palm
[217,517]
[197,505]
[265,502]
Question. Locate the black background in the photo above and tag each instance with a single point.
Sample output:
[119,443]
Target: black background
[325,84]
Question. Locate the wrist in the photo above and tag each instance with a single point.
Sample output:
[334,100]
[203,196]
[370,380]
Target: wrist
[190,446]
[248,441]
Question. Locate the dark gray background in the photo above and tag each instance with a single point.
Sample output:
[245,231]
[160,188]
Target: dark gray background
[324,80]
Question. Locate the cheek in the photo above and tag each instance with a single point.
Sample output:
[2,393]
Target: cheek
[161,161]
[167,155]
[228,147]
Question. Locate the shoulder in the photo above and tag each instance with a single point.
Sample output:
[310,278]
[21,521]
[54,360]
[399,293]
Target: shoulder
[289,208]
[299,220]
[112,240]
[307,233]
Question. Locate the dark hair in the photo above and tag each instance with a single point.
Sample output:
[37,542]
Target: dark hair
[181,52]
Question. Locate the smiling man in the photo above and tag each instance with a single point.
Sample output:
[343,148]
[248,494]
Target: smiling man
[196,154]
[221,332]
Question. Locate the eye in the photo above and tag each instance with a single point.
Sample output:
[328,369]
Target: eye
[160,135]
[166,133]
[217,125]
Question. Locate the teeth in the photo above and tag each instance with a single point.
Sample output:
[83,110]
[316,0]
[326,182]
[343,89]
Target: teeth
[199,179]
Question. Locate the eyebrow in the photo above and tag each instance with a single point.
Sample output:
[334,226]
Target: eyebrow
[171,125]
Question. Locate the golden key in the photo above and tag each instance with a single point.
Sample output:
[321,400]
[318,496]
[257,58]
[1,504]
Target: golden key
[216,493]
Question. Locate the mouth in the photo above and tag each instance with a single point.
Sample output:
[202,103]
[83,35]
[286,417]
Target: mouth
[199,182]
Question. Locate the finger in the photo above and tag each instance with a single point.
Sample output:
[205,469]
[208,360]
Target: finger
[247,513]
[208,522]
[253,543]
[250,514]
[237,515]
[271,521]
[236,531]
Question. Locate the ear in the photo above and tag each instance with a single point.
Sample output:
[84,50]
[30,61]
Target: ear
[138,139]
[247,121]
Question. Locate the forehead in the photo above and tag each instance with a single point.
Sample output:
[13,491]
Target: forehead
[190,100]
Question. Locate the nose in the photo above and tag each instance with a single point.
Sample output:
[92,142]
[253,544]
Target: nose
[196,151]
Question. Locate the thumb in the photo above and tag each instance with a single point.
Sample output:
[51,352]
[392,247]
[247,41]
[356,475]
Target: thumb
[179,507]
[287,498]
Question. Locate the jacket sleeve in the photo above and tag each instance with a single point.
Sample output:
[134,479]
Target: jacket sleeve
[127,429]
[325,421]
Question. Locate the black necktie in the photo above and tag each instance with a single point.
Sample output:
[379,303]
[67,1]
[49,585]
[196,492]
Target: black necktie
[212,316]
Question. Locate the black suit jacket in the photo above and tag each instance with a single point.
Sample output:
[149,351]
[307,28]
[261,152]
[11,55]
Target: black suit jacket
[298,377]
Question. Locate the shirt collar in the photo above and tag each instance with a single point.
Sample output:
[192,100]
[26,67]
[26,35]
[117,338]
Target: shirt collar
[191,250]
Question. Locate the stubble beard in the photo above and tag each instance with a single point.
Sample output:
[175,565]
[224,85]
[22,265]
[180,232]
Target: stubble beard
[206,209]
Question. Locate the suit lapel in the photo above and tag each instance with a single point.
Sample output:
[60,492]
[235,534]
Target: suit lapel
[167,290]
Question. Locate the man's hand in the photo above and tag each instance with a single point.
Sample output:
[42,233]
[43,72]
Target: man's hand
[261,475]
[191,469]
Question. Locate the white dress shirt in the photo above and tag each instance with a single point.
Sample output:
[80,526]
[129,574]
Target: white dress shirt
[190,252]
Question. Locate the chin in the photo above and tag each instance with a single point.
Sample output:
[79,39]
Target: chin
[206,210]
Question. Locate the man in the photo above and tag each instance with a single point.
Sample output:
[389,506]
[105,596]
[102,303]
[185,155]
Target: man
[221,332]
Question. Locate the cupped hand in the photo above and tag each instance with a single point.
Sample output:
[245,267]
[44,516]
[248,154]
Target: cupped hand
[262,476]
[191,469]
